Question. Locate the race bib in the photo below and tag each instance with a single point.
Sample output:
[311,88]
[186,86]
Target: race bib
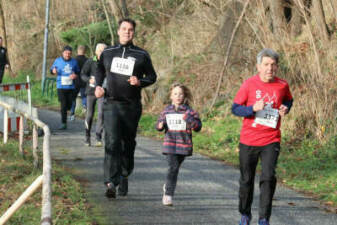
[267,117]
[65,80]
[122,66]
[175,122]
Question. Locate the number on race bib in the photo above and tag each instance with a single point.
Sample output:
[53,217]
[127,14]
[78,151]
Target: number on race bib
[267,117]
[176,122]
[122,66]
[65,80]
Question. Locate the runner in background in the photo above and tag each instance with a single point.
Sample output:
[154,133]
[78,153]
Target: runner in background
[4,63]
[79,84]
[88,76]
[262,100]
[67,70]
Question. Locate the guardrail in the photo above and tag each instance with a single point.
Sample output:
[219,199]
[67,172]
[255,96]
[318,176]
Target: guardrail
[48,86]
[45,178]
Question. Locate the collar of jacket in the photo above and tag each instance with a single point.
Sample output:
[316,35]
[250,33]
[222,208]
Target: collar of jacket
[180,108]
[129,44]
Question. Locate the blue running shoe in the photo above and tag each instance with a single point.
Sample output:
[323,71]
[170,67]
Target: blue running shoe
[263,222]
[245,220]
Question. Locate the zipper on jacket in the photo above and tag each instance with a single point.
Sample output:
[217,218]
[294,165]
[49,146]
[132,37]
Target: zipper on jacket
[123,52]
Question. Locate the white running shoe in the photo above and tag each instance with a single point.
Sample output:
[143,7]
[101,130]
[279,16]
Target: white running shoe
[72,118]
[167,199]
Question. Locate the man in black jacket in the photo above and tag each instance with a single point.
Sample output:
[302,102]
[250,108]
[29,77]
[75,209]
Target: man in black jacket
[79,84]
[88,76]
[127,69]
[3,60]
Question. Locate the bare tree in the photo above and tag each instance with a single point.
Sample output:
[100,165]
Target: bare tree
[119,9]
[108,21]
[296,20]
[278,18]
[318,13]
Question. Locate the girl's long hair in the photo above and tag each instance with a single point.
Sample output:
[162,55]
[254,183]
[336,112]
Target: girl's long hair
[187,93]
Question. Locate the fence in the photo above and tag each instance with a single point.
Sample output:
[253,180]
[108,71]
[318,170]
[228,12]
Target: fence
[45,178]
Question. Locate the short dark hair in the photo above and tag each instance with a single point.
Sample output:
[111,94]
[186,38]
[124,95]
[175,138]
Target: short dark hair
[127,20]
[67,48]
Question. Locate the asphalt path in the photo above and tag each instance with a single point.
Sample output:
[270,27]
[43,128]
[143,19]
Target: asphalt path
[206,193]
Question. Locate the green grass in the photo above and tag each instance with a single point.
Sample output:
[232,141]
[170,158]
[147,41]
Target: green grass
[305,166]
[68,198]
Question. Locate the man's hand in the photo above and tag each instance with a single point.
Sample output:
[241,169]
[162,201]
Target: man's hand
[134,81]
[259,105]
[73,76]
[283,110]
[99,92]
[92,80]
[54,71]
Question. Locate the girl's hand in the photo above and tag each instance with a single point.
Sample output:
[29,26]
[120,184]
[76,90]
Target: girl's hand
[160,125]
[187,117]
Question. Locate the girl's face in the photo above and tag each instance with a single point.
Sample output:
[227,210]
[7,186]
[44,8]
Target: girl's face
[177,96]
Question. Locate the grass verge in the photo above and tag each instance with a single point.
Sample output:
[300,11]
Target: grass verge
[69,200]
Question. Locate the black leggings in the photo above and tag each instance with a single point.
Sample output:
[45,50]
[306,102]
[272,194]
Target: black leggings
[174,162]
[65,97]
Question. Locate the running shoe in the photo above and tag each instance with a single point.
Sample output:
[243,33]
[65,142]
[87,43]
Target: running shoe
[72,117]
[98,143]
[63,126]
[123,186]
[245,220]
[167,199]
[110,191]
[263,222]
[87,141]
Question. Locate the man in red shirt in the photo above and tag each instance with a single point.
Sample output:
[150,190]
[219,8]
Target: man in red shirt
[262,100]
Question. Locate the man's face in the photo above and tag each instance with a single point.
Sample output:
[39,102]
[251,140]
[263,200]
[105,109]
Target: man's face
[66,54]
[125,32]
[267,69]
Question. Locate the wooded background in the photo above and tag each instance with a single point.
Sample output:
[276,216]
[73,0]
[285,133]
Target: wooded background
[210,45]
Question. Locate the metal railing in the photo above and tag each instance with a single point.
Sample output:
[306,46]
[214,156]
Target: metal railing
[45,178]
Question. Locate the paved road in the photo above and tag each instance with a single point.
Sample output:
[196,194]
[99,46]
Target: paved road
[206,193]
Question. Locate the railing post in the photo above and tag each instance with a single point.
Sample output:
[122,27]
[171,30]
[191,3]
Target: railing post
[5,125]
[29,96]
[46,214]
[35,146]
[21,135]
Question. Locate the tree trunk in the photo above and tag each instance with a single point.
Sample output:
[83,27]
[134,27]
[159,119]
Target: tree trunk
[109,22]
[333,4]
[319,16]
[296,21]
[278,19]
[125,10]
